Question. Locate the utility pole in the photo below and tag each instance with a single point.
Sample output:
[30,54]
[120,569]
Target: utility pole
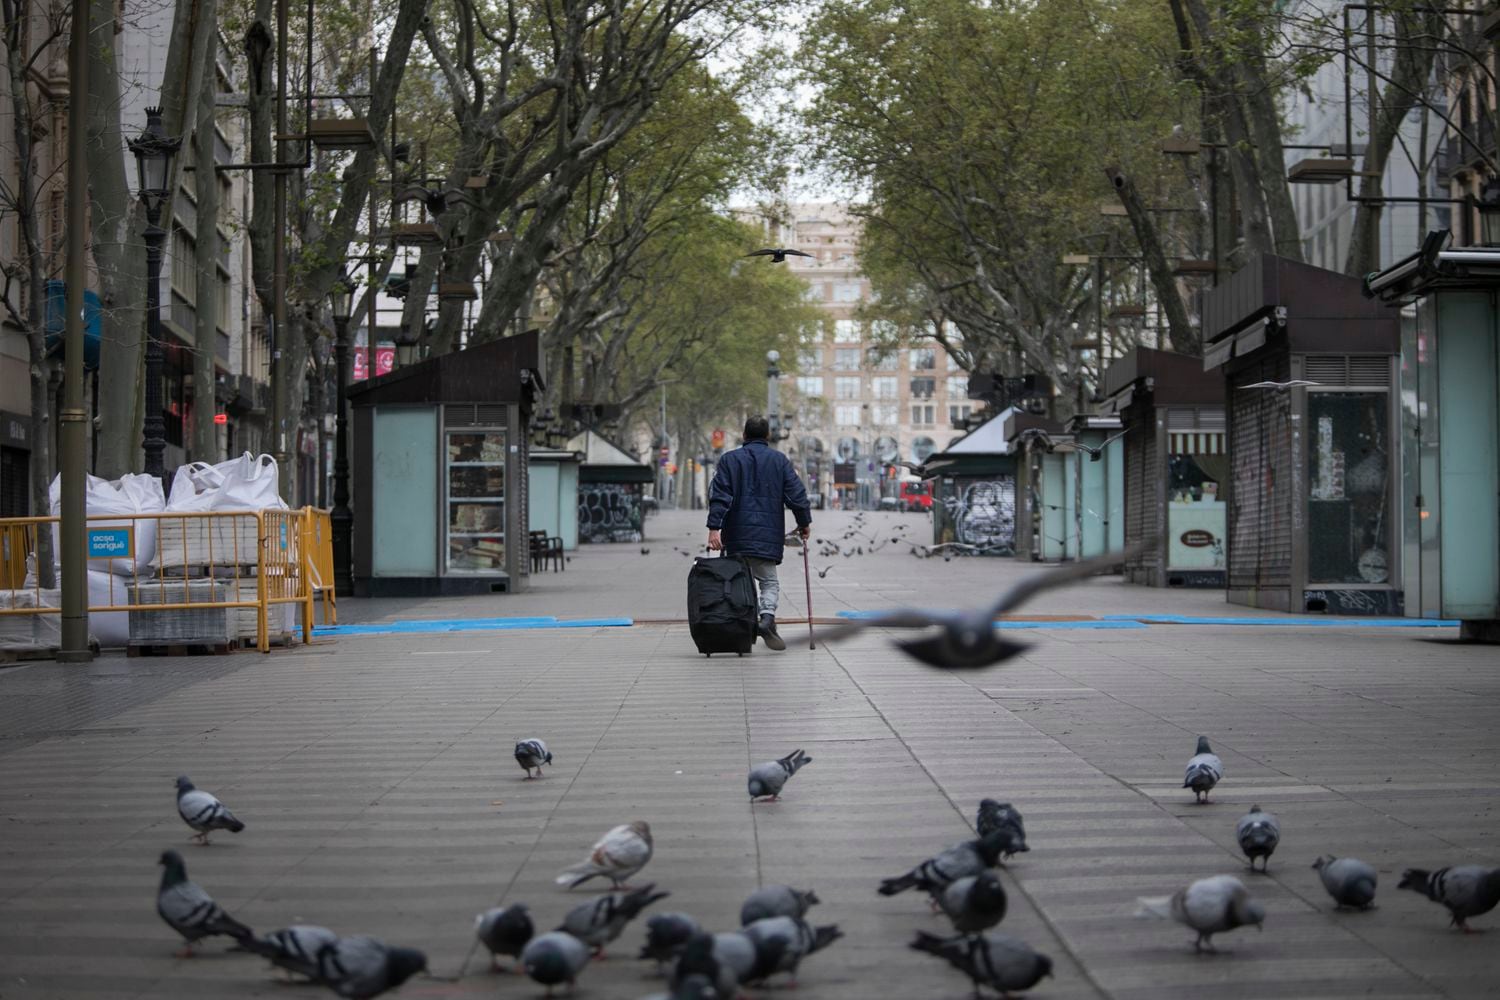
[279,368]
[72,430]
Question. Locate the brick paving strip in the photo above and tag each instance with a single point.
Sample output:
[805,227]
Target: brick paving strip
[375,778]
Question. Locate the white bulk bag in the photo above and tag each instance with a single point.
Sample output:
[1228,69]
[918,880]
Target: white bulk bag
[245,483]
[130,494]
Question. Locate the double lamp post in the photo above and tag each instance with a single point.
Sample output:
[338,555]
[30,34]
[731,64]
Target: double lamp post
[154,151]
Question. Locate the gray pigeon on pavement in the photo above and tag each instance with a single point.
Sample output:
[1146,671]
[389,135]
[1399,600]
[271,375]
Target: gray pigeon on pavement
[776,901]
[1209,906]
[938,872]
[532,754]
[974,903]
[736,954]
[1002,816]
[1204,770]
[694,987]
[203,812]
[768,779]
[996,960]
[622,852]
[1258,833]
[190,911]
[600,921]
[666,934]
[294,949]
[360,967]
[554,957]
[1466,890]
[504,930]
[781,943]
[698,972]
[1349,881]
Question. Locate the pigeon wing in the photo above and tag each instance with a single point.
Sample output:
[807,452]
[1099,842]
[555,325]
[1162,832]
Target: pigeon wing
[899,618]
[1048,579]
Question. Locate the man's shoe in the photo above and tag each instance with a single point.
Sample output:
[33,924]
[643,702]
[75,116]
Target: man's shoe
[768,633]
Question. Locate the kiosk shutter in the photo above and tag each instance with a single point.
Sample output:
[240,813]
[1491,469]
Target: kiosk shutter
[1260,455]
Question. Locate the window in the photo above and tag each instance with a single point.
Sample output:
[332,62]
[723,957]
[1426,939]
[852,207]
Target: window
[923,387]
[884,415]
[959,413]
[923,359]
[184,269]
[846,358]
[884,329]
[846,416]
[1348,528]
[846,291]
[810,358]
[958,387]
[952,363]
[476,501]
[880,360]
[921,415]
[846,387]
[845,331]
[810,385]
[814,292]
[883,387]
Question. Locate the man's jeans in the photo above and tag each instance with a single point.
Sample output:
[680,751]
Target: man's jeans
[764,571]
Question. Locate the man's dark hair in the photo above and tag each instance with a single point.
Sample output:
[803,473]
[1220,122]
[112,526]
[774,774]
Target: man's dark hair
[757,429]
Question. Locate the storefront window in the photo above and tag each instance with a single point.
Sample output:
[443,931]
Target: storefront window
[1348,490]
[476,501]
[1196,465]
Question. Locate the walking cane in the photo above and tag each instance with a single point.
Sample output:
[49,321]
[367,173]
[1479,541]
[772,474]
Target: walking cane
[807,582]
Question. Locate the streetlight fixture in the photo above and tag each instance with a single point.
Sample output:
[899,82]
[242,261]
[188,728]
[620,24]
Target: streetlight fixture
[406,345]
[1489,213]
[154,151]
[341,300]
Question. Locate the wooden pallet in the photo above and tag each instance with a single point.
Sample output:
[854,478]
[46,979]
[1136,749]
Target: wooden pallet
[24,654]
[180,649]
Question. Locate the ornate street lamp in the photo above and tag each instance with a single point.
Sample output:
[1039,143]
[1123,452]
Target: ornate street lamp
[154,151]
[341,299]
[406,345]
[1489,213]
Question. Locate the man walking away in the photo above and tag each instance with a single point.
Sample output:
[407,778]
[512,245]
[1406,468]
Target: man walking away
[745,518]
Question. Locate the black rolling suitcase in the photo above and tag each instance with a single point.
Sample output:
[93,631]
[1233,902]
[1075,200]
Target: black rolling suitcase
[721,605]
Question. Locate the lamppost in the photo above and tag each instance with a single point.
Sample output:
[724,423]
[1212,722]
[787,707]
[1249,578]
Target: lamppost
[780,426]
[341,299]
[153,163]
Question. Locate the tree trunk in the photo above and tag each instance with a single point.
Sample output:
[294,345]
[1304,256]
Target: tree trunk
[1168,297]
[204,439]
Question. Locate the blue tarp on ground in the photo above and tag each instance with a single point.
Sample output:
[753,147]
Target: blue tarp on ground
[419,626]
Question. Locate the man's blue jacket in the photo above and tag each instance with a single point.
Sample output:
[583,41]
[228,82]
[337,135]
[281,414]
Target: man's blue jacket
[750,486]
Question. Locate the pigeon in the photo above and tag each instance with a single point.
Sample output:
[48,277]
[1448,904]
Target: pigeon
[968,640]
[823,571]
[778,255]
[600,921]
[1258,833]
[1096,452]
[619,854]
[974,903]
[698,971]
[999,961]
[1002,816]
[190,911]
[781,943]
[1204,771]
[554,958]
[776,901]
[504,930]
[645,551]
[1295,383]
[532,753]
[1209,906]
[203,812]
[1466,890]
[294,949]
[666,934]
[767,780]
[959,861]
[360,966]
[736,955]
[693,987]
[1349,881]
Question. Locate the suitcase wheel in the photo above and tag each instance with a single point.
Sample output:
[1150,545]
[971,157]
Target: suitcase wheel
[738,653]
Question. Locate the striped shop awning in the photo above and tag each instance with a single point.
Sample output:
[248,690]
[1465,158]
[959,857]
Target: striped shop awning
[1196,443]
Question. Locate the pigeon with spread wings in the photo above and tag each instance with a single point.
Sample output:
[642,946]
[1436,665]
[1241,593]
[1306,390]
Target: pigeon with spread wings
[967,640]
[778,255]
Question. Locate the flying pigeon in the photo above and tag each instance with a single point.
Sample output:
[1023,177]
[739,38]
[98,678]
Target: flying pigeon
[1096,452]
[1002,816]
[1209,906]
[996,960]
[974,903]
[698,971]
[554,958]
[1466,890]
[823,571]
[190,911]
[600,921]
[776,901]
[1281,386]
[1204,770]
[619,854]
[360,966]
[532,753]
[294,949]
[781,943]
[666,934]
[1258,833]
[768,779]
[504,930]
[436,201]
[959,861]
[968,639]
[202,811]
[1349,881]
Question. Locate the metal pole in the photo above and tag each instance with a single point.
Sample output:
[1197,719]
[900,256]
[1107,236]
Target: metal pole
[279,342]
[807,583]
[73,422]
[153,428]
[342,517]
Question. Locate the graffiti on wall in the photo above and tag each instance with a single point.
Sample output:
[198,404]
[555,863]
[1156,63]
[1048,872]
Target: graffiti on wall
[609,512]
[983,513]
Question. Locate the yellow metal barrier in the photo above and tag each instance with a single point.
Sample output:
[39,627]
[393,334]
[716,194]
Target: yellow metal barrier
[319,545]
[250,563]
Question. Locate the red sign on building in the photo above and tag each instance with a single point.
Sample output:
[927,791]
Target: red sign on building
[385,362]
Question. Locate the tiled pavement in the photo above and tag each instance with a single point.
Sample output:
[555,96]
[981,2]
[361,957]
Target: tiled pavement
[375,778]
